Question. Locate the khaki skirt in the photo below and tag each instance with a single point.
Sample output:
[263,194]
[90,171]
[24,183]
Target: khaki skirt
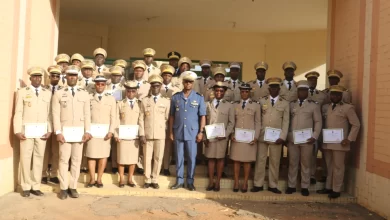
[216,149]
[128,152]
[243,152]
[98,148]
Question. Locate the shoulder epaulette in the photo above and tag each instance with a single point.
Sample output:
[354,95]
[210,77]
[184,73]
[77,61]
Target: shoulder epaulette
[281,99]
[27,87]
[312,101]
[257,102]
[196,93]
[250,102]
[232,102]
[139,100]
[199,77]
[124,100]
[294,101]
[145,82]
[254,81]
[223,101]
[80,89]
[107,94]
[346,90]
[265,97]
[237,102]
[46,87]
[66,89]
[60,87]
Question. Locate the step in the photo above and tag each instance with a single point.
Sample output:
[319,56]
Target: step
[201,193]
[200,181]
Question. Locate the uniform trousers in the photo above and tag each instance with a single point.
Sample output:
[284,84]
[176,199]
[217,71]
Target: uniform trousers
[313,168]
[189,148]
[31,148]
[335,161]
[299,153]
[274,162]
[73,151]
[153,151]
[51,157]
[167,152]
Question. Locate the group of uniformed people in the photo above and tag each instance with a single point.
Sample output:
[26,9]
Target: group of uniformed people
[171,106]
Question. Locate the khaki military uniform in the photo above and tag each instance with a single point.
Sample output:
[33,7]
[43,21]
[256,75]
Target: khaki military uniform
[210,95]
[258,92]
[342,116]
[200,85]
[73,111]
[30,108]
[62,81]
[52,147]
[288,94]
[247,118]
[176,82]
[318,96]
[347,96]
[302,117]
[235,89]
[223,114]
[152,70]
[143,89]
[82,83]
[168,142]
[153,125]
[277,116]
[128,150]
[102,112]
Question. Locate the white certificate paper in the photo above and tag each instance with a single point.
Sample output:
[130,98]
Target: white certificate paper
[332,136]
[215,130]
[73,134]
[35,130]
[99,130]
[244,135]
[301,136]
[271,134]
[128,132]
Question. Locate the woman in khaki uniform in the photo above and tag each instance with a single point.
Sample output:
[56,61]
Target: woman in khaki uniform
[218,111]
[103,111]
[247,116]
[128,111]
[219,74]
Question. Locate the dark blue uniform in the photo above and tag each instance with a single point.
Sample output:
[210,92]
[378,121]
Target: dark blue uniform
[186,113]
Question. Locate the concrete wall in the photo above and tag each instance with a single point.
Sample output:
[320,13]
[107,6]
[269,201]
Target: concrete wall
[359,45]
[306,48]
[31,39]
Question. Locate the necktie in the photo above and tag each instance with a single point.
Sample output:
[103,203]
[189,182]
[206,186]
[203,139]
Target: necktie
[86,82]
[166,88]
[113,87]
[289,85]
[131,104]
[272,102]
[216,106]
[261,84]
[36,92]
[300,102]
[100,97]
[53,90]
[63,79]
[148,69]
[138,84]
[72,91]
[99,69]
[234,84]
[333,106]
[204,82]
[243,104]
[155,99]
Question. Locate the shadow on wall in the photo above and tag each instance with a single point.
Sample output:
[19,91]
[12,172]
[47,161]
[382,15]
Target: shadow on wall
[321,69]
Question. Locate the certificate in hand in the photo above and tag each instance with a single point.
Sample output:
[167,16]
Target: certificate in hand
[73,134]
[301,136]
[99,130]
[215,130]
[35,130]
[244,135]
[128,132]
[333,136]
[271,134]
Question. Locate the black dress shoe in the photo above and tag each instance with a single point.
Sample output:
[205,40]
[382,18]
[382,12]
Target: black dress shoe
[84,170]
[146,185]
[305,192]
[322,180]
[235,190]
[131,185]
[140,171]
[216,189]
[99,185]
[155,185]
[334,195]
[210,188]
[313,181]
[114,170]
[73,193]
[36,192]
[166,172]
[257,189]
[244,190]
[290,190]
[121,185]
[55,180]
[90,185]
[274,190]
[191,187]
[224,175]
[324,191]
[177,186]
[25,193]
[44,180]
[63,194]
